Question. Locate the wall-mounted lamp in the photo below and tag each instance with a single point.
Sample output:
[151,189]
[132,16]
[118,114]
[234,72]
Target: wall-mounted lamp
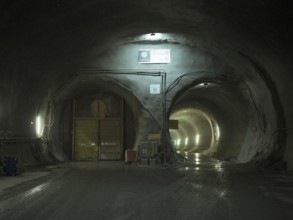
[203,84]
[39,126]
[153,36]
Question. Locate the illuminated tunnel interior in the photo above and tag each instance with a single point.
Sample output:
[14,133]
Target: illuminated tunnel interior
[213,120]
[197,132]
[211,66]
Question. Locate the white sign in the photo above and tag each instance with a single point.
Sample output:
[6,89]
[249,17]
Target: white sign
[155,89]
[160,56]
[154,56]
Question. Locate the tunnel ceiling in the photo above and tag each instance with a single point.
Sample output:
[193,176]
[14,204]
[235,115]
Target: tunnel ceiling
[36,29]
[56,38]
[45,43]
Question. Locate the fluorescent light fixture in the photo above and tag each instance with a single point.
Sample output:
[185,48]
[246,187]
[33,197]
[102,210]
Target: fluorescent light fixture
[218,132]
[39,126]
[197,139]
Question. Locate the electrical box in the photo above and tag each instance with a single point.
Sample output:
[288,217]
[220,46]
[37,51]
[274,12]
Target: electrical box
[152,161]
[144,161]
[148,149]
[130,156]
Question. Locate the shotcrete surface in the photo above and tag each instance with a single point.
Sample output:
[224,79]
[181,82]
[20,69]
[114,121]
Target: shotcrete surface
[201,188]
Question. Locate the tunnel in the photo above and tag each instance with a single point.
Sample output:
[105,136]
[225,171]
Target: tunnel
[225,117]
[197,131]
[227,63]
[204,86]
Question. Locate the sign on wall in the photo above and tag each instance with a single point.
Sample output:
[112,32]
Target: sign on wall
[155,89]
[154,56]
[154,136]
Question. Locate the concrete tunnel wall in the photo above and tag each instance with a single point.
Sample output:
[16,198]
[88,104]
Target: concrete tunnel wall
[246,142]
[43,49]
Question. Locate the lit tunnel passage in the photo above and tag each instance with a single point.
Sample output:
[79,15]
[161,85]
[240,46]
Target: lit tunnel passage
[196,132]
[219,119]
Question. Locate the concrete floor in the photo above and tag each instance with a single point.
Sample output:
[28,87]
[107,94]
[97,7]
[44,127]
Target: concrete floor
[203,189]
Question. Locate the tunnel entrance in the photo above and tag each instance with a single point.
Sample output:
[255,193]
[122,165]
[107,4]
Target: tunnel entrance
[98,127]
[197,132]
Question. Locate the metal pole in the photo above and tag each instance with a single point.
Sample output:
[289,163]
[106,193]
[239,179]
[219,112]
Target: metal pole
[164,116]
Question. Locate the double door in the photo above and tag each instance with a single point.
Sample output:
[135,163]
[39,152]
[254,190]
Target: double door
[97,139]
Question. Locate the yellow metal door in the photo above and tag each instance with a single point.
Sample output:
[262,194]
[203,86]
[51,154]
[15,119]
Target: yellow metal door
[110,139]
[86,139]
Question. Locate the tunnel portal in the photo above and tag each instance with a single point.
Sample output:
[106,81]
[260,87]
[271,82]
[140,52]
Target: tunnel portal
[196,133]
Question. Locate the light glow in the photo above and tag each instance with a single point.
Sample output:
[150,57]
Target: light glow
[203,84]
[39,126]
[35,190]
[218,167]
[218,133]
[186,141]
[153,36]
[197,139]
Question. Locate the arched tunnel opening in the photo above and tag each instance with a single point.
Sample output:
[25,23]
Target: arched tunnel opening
[93,117]
[197,132]
[101,101]
[224,116]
